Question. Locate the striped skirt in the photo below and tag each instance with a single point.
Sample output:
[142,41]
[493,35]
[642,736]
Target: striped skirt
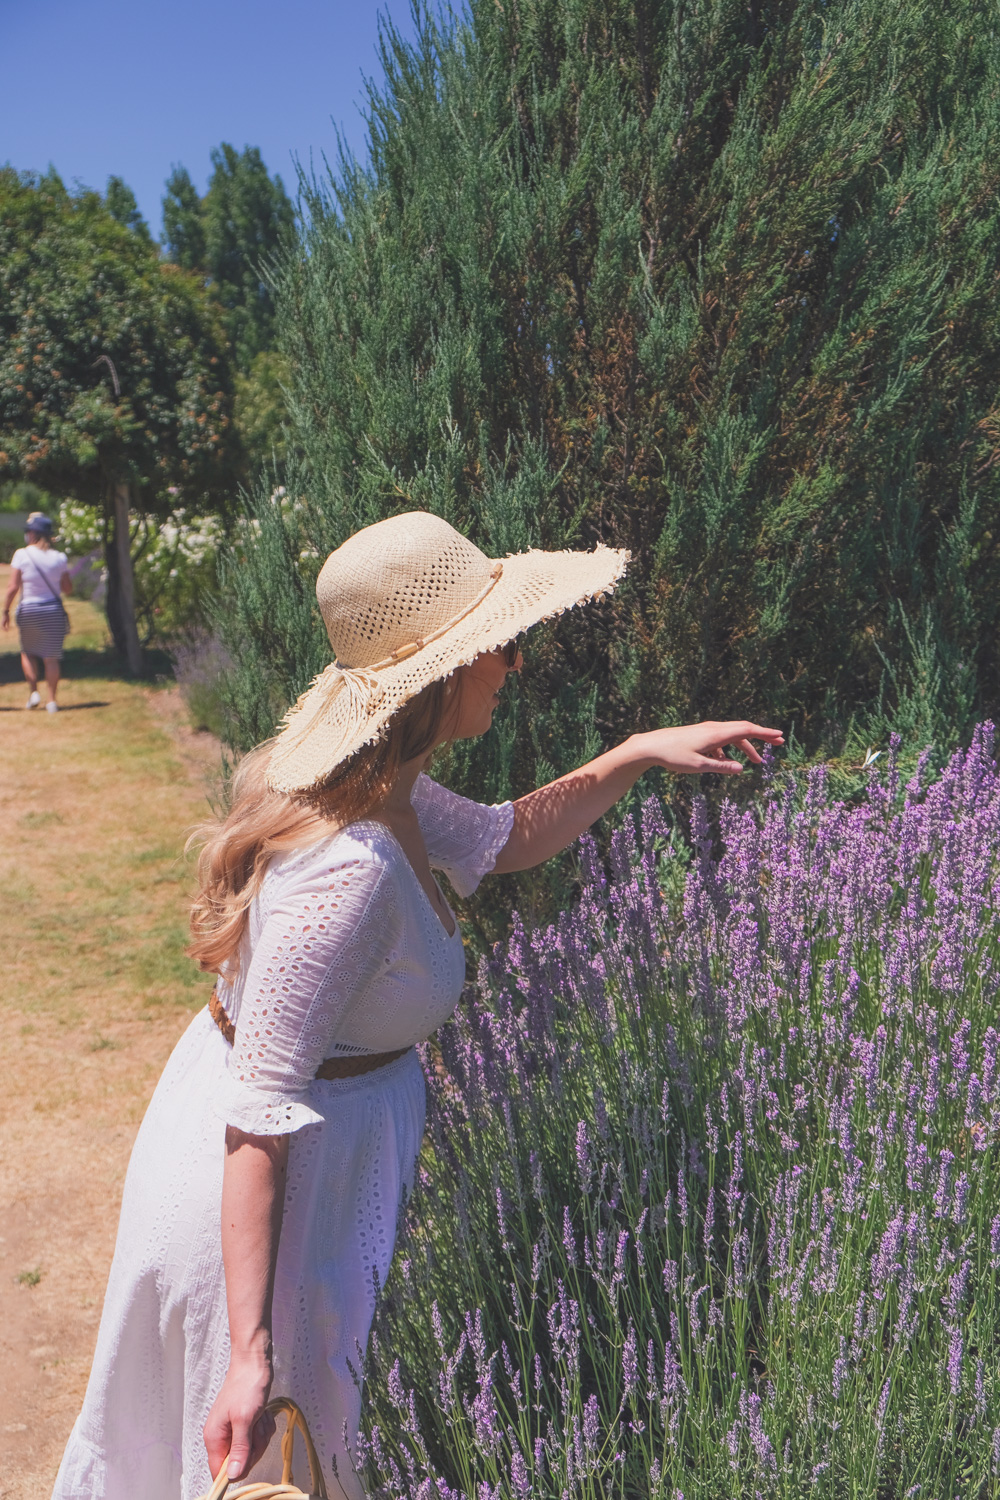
[43,629]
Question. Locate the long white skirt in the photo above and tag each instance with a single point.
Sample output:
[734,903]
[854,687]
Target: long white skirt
[163,1345]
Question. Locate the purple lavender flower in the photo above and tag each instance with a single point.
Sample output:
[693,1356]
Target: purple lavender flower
[883,1407]
[959,1058]
[733,1442]
[539,1457]
[395,1387]
[519,1477]
[630,1361]
[974,1109]
[761,1442]
[709,1226]
[841,1370]
[958,1287]
[591,1425]
[618,1275]
[583,1159]
[564,1330]
[682,1198]
[674,1387]
[886,1264]
[568,1237]
[960,1203]
[942,1191]
[502,1219]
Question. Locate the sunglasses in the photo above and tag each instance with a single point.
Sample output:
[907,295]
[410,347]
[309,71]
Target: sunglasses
[510,653]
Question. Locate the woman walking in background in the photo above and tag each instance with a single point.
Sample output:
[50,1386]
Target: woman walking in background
[43,576]
[259,1213]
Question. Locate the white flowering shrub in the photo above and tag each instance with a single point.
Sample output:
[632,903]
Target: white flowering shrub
[174,559]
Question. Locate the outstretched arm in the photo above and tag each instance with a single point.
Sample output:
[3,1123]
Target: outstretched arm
[15,584]
[548,819]
[253,1194]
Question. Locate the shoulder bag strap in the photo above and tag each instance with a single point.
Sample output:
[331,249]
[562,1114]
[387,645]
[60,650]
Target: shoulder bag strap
[44,577]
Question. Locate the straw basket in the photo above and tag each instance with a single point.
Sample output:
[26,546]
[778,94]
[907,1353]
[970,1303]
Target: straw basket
[286,1490]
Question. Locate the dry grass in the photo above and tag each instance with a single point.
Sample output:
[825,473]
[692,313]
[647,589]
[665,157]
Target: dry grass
[95,802]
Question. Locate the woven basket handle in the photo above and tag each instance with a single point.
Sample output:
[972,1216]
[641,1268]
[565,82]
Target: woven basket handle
[286,1490]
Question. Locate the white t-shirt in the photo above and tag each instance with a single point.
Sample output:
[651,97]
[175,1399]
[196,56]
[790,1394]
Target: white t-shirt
[40,567]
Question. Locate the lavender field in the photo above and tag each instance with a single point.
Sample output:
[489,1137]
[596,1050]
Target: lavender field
[711,1203]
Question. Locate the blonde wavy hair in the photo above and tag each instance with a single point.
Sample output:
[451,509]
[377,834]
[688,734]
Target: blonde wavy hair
[234,853]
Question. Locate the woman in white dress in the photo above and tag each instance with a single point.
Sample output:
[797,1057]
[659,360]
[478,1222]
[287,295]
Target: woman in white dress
[260,1206]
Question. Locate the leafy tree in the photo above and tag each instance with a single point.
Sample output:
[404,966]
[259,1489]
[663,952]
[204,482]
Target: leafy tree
[260,410]
[20,494]
[114,379]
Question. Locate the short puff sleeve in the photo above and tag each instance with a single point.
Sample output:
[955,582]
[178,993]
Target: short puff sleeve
[327,932]
[463,838]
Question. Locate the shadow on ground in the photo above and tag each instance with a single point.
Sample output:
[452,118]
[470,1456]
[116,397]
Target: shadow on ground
[64,708]
[82,662]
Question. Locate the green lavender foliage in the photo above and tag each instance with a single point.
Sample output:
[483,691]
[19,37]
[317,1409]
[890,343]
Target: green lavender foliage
[712,281]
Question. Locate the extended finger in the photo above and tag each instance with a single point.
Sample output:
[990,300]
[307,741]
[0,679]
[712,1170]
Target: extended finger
[760,731]
[749,750]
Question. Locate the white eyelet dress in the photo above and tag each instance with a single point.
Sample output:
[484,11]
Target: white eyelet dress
[344,955]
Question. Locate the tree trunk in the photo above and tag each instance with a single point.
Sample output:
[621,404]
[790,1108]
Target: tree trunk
[121,583]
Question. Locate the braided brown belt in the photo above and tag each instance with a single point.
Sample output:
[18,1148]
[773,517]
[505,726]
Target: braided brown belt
[331,1067]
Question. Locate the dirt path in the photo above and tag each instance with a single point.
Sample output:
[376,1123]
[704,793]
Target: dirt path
[94,803]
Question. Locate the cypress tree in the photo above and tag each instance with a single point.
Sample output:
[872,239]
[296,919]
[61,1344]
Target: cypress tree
[231,236]
[183,229]
[119,200]
[246,213]
[710,280]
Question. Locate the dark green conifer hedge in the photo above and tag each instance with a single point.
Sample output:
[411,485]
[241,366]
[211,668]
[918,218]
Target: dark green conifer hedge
[710,279]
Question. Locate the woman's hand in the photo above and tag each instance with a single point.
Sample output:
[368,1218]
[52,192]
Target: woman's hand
[237,1426]
[694,748]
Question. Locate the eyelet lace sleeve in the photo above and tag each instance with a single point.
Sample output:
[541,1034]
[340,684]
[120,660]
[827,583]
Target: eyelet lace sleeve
[323,940]
[463,837]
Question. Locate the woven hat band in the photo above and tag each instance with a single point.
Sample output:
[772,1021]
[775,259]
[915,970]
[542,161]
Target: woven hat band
[411,648]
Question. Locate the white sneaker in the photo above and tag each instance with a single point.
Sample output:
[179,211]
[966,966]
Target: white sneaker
[51,708]
[33,700]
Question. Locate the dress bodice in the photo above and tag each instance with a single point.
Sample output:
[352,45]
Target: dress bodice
[345,954]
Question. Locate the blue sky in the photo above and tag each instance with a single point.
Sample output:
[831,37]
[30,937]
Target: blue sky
[131,87]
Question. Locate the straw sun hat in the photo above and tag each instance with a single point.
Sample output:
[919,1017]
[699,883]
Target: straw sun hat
[405,602]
